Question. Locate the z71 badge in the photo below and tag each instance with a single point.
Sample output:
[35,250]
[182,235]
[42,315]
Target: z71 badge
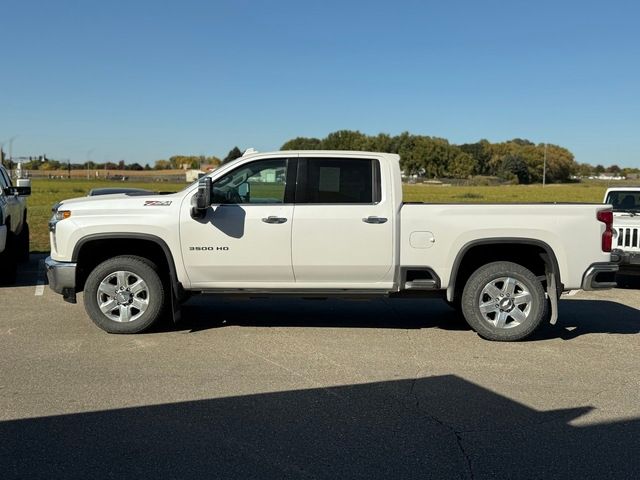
[157,203]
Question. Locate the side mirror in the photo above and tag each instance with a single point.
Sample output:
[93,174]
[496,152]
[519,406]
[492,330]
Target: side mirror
[202,198]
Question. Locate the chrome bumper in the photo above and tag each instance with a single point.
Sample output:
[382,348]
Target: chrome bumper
[600,276]
[62,278]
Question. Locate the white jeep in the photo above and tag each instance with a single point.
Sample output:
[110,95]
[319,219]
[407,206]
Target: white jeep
[626,224]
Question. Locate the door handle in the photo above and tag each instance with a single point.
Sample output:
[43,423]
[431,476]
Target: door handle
[274,219]
[374,220]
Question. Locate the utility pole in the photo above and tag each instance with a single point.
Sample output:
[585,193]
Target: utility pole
[544,168]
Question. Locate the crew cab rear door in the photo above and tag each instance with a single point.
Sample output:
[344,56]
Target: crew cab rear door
[343,224]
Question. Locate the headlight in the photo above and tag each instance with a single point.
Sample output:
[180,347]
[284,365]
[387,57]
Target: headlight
[58,215]
[61,215]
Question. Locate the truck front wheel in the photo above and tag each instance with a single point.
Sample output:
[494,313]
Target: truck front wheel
[503,301]
[124,295]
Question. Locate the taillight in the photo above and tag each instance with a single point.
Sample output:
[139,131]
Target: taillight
[606,217]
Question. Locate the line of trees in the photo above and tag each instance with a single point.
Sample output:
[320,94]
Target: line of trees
[176,162]
[517,160]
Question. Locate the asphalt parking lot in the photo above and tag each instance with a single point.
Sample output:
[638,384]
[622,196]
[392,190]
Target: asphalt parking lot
[317,389]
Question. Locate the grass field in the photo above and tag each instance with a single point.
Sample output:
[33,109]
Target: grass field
[47,192]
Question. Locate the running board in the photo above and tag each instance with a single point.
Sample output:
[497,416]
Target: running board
[421,284]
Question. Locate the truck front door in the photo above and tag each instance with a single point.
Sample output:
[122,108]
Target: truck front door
[244,240]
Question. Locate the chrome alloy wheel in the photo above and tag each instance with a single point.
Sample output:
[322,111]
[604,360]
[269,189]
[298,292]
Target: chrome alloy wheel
[123,296]
[505,302]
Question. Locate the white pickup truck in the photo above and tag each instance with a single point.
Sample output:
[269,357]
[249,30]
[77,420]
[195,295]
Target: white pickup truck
[323,223]
[14,229]
[626,226]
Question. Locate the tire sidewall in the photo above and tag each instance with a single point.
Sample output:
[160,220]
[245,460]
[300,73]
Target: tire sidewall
[484,275]
[140,267]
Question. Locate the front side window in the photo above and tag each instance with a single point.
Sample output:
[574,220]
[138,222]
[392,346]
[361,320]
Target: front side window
[259,182]
[331,180]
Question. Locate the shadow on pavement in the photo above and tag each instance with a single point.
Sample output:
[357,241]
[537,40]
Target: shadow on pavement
[206,312]
[29,273]
[582,317]
[577,317]
[437,427]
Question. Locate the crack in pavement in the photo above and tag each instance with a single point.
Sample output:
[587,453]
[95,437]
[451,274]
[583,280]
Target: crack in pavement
[457,435]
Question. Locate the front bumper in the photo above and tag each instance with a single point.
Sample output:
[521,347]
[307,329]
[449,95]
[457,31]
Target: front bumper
[62,278]
[600,276]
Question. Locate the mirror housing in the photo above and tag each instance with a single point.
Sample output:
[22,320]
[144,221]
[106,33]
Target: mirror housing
[23,182]
[202,198]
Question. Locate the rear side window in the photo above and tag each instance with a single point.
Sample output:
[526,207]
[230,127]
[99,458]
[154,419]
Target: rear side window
[335,180]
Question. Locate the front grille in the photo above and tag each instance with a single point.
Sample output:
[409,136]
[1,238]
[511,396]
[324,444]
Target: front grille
[628,238]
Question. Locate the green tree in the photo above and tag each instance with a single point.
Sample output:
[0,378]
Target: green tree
[481,153]
[302,143]
[514,166]
[232,155]
[345,140]
[162,165]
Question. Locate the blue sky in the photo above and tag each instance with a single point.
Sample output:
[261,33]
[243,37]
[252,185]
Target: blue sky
[144,80]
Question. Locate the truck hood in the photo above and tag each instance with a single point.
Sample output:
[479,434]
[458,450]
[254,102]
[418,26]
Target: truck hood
[119,201]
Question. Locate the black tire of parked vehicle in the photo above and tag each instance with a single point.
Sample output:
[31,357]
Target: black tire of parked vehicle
[139,268]
[8,261]
[487,279]
[23,244]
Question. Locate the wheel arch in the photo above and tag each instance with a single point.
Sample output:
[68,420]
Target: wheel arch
[530,252]
[94,249]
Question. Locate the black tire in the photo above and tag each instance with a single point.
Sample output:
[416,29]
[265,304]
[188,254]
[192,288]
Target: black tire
[8,263]
[504,301]
[23,244]
[138,305]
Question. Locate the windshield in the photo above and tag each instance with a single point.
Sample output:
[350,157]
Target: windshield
[624,201]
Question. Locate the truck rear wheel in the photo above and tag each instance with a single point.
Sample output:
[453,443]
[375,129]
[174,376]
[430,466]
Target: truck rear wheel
[503,301]
[124,295]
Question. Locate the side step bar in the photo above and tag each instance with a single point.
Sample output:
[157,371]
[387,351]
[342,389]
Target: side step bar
[421,284]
